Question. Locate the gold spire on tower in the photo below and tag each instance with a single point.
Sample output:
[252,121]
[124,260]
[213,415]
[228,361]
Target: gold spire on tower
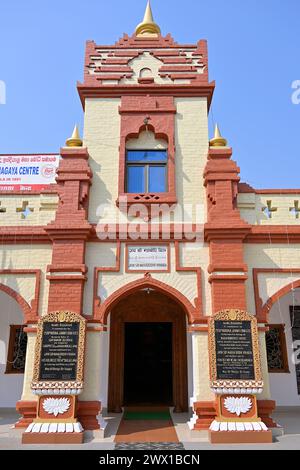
[148,27]
[74,140]
[218,140]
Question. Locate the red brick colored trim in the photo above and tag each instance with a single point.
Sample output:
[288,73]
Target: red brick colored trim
[27,410]
[207,411]
[231,277]
[143,271]
[103,310]
[87,413]
[283,234]
[273,234]
[34,234]
[225,231]
[162,48]
[69,231]
[262,311]
[196,312]
[160,112]
[277,191]
[246,188]
[265,410]
[30,311]
[265,310]
[176,91]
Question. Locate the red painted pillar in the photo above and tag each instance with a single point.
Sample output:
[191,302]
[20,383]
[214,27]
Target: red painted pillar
[225,231]
[69,232]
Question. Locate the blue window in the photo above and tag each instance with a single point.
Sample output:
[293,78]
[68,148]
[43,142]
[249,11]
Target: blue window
[146,171]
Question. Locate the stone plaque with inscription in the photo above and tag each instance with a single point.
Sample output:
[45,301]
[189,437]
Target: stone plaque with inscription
[234,350]
[60,351]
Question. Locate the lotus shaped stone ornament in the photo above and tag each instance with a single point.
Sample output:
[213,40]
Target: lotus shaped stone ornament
[238,405]
[56,406]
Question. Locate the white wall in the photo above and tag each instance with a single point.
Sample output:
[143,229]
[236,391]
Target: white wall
[284,386]
[10,384]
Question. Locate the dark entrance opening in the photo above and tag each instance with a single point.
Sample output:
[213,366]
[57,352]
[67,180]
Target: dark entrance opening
[148,364]
[154,328]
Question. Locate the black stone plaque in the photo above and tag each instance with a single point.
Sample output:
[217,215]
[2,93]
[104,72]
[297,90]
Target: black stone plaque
[59,353]
[234,350]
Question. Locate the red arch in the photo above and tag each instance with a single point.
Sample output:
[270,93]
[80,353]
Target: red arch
[275,297]
[26,309]
[147,282]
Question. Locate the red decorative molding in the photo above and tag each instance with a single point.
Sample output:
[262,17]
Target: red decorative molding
[265,410]
[225,231]
[37,234]
[103,310]
[34,234]
[87,412]
[31,312]
[118,65]
[246,188]
[27,410]
[262,311]
[160,112]
[273,234]
[283,234]
[206,412]
[69,231]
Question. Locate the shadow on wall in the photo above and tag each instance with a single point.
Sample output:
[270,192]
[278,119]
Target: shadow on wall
[100,196]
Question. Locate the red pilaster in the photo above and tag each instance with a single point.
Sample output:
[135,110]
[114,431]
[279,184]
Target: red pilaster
[225,231]
[69,232]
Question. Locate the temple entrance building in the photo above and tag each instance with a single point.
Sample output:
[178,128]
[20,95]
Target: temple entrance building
[147,232]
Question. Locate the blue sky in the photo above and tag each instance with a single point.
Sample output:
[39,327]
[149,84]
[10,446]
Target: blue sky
[253,56]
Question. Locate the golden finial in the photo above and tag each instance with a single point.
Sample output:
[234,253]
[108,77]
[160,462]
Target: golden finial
[148,27]
[75,140]
[218,140]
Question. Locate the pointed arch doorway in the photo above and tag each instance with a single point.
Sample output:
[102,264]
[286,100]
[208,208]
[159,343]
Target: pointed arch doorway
[148,352]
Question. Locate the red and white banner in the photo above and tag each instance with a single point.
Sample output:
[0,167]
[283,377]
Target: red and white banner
[27,172]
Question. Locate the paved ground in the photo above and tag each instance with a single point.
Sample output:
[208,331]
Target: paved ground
[290,420]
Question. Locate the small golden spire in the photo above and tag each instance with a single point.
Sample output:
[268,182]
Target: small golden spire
[75,140]
[148,27]
[218,140]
